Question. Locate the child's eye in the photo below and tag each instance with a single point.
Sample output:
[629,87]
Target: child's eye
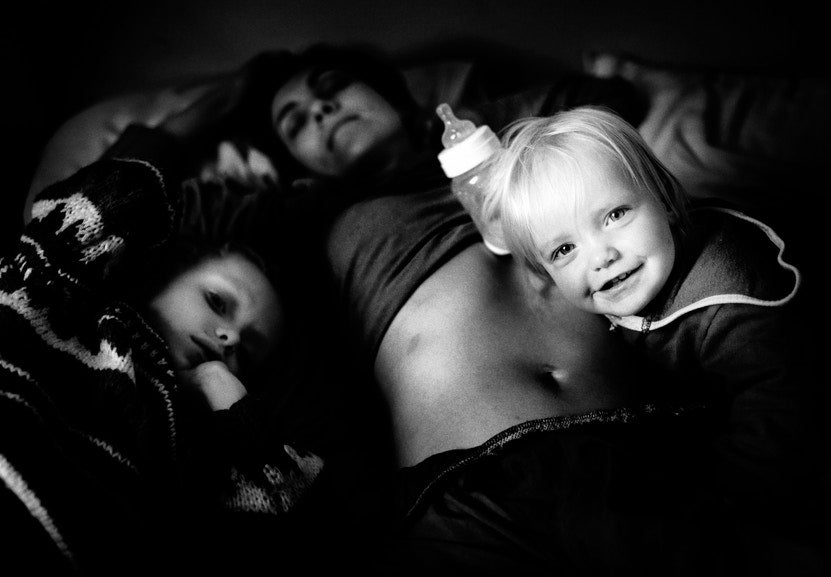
[617,213]
[562,250]
[216,302]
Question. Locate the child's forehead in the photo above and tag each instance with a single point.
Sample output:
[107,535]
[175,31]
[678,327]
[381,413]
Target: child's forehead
[562,195]
[234,269]
[569,172]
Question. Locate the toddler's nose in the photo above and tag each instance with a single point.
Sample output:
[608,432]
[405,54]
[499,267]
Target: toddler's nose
[604,256]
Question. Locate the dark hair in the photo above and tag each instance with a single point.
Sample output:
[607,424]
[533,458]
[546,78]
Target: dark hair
[147,278]
[269,71]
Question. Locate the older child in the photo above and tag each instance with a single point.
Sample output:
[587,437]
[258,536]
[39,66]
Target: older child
[703,292]
[218,313]
[101,452]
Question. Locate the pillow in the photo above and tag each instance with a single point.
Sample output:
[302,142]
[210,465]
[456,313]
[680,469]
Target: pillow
[746,138]
[235,169]
[84,137]
[443,81]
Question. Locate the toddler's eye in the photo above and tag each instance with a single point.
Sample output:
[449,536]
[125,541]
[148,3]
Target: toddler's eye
[562,250]
[618,213]
[216,302]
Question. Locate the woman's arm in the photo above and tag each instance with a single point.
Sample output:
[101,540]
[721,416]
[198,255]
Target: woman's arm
[128,201]
[84,225]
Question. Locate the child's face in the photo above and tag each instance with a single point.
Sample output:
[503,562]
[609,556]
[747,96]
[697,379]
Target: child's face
[223,309]
[608,248]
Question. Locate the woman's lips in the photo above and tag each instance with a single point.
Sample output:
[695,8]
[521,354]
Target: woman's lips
[330,141]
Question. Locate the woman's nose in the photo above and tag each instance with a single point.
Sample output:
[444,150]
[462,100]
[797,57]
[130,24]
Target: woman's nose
[321,108]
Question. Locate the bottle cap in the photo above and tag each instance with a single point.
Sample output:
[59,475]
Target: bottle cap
[468,153]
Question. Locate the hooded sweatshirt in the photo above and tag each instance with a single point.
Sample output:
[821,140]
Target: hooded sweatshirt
[724,326]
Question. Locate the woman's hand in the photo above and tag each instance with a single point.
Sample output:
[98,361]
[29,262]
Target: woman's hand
[214,383]
[212,111]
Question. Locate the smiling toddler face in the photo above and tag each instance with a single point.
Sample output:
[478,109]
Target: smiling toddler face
[607,245]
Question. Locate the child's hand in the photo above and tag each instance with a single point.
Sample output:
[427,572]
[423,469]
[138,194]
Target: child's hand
[214,383]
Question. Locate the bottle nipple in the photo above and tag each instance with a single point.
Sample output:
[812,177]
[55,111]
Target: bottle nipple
[455,130]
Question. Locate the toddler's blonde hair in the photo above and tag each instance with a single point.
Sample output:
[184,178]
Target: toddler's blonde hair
[544,156]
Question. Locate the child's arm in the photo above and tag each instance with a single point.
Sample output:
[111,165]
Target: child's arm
[257,474]
[772,444]
[214,384]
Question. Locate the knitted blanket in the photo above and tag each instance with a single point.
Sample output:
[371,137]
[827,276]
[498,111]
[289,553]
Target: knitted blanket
[94,437]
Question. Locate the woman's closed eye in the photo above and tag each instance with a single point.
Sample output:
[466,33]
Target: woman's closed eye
[291,123]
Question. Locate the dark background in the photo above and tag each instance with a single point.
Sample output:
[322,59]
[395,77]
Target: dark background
[60,57]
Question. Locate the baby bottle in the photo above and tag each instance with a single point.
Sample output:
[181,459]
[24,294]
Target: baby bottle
[466,150]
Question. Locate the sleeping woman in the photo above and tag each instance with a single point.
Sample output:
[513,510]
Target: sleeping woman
[523,437]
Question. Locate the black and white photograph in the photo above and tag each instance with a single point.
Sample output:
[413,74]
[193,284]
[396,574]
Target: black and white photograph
[431,288]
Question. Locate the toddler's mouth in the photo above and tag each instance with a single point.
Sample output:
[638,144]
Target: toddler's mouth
[612,283]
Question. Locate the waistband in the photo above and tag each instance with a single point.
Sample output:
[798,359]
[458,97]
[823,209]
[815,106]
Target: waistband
[416,484]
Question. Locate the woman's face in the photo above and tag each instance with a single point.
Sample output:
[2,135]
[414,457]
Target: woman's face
[329,121]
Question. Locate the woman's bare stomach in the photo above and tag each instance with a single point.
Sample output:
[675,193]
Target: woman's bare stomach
[477,349]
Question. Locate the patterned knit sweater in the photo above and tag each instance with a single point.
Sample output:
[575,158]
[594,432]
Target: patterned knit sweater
[95,441]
